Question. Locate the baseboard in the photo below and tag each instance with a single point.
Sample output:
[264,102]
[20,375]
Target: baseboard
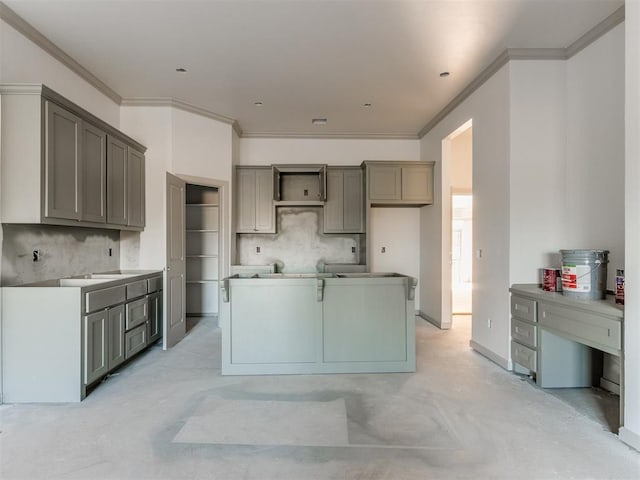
[609,386]
[433,321]
[629,437]
[485,352]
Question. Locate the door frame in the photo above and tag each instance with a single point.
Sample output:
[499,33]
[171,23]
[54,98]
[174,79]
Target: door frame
[224,232]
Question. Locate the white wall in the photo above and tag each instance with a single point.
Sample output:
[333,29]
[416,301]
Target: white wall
[631,431]
[594,185]
[267,151]
[488,107]
[152,127]
[537,167]
[21,61]
[398,230]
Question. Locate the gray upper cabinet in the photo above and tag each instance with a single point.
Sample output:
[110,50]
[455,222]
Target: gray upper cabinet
[344,207]
[117,209]
[73,167]
[400,183]
[94,154]
[135,188]
[255,212]
[63,169]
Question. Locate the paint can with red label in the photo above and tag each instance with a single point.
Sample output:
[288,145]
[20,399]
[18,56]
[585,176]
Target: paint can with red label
[552,279]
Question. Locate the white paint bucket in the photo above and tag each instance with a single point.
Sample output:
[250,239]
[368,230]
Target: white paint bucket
[584,273]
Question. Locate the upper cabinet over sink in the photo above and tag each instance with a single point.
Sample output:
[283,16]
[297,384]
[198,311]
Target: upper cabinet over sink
[63,166]
[400,183]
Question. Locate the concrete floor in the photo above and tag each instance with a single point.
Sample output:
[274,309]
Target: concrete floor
[171,415]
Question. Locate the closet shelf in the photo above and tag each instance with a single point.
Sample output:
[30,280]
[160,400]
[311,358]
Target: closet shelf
[201,230]
[201,256]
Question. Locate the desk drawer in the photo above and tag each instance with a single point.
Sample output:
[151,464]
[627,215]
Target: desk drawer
[523,308]
[524,333]
[594,330]
[99,299]
[524,356]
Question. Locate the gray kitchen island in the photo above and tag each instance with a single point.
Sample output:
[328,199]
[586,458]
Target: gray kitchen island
[317,323]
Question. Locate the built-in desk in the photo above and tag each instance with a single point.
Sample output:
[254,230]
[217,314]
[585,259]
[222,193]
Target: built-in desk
[552,335]
[559,332]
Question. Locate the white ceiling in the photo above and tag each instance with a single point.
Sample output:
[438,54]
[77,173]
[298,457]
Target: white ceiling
[306,58]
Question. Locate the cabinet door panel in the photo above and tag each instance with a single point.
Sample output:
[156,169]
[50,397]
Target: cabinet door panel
[334,206]
[63,168]
[353,202]
[117,211]
[116,336]
[417,184]
[155,317]
[245,200]
[385,183]
[95,346]
[265,218]
[135,188]
[94,170]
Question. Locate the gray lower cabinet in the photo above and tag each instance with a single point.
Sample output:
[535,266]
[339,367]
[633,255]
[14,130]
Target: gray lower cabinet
[116,336]
[74,169]
[96,346]
[154,332]
[400,183]
[255,211]
[135,340]
[344,207]
[62,163]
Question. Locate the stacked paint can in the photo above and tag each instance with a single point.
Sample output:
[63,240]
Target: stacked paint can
[584,273]
[552,279]
[620,287]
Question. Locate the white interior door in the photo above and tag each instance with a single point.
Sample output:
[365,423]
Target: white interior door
[174,317]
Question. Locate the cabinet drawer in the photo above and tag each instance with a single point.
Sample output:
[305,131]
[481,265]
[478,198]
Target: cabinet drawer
[593,330]
[137,313]
[135,340]
[136,289]
[523,308]
[154,284]
[524,356]
[524,333]
[104,298]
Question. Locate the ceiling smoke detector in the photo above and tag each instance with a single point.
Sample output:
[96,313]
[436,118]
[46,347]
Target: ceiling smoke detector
[258,103]
[444,74]
[367,105]
[181,70]
[319,121]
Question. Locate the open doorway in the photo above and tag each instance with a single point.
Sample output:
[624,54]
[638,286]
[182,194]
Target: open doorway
[457,227]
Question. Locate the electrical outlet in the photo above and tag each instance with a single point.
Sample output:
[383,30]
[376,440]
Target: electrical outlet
[110,252]
[257,249]
[383,250]
[306,192]
[489,323]
[353,249]
[36,255]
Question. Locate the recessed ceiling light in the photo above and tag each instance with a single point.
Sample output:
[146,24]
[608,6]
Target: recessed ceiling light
[444,74]
[366,105]
[319,121]
[258,103]
[181,70]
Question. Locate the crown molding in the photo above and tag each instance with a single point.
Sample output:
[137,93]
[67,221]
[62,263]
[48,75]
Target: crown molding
[181,105]
[26,29]
[335,136]
[21,88]
[509,54]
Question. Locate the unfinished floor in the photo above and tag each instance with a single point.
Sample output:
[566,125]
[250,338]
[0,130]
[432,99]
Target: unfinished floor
[171,415]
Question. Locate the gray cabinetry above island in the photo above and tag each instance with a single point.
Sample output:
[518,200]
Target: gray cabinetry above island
[400,183]
[74,168]
[255,212]
[344,209]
